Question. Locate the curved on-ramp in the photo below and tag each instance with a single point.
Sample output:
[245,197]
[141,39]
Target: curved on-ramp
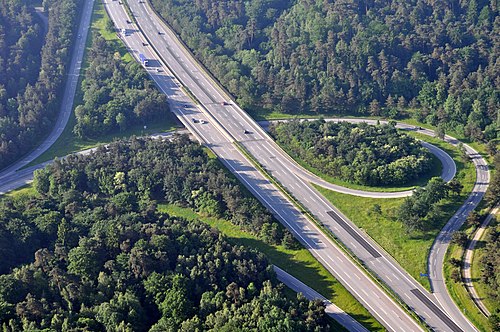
[483,176]
[447,174]
[8,173]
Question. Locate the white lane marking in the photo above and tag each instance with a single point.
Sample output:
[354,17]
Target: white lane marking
[299,235]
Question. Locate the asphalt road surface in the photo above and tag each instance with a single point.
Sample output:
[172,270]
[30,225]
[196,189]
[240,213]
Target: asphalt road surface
[219,122]
[235,125]
[331,309]
[9,174]
[211,132]
[467,262]
[448,172]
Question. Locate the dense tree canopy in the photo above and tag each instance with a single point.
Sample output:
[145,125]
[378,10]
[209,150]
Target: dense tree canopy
[358,153]
[91,251]
[128,175]
[491,262]
[493,194]
[31,75]
[420,211]
[116,94]
[379,57]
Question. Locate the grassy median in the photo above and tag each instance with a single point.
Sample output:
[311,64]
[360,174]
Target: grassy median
[299,263]
[410,250]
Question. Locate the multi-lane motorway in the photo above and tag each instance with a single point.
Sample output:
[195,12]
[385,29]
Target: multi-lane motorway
[211,132]
[233,124]
[218,122]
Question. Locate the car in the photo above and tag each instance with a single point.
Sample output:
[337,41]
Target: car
[158,70]
[246,132]
[202,121]
[159,32]
[120,3]
[129,22]
[195,120]
[224,103]
[185,105]
[144,44]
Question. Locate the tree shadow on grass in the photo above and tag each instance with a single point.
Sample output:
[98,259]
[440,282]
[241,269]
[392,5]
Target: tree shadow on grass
[306,271]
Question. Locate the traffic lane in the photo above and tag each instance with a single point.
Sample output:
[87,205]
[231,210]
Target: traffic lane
[192,116]
[332,310]
[314,203]
[365,291]
[448,173]
[211,97]
[387,269]
[449,167]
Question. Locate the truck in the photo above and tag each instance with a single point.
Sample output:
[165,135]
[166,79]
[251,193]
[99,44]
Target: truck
[124,32]
[143,60]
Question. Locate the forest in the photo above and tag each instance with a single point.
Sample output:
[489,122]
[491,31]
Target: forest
[435,61]
[32,71]
[90,251]
[357,153]
[116,94]
[137,174]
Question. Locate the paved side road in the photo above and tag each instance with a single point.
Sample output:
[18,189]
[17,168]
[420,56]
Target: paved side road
[8,174]
[235,125]
[25,175]
[467,262]
[331,309]
[213,133]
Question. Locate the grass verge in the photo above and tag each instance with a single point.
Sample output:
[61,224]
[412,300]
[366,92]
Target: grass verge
[410,251]
[459,293]
[299,263]
[331,236]
[481,288]
[68,142]
[22,191]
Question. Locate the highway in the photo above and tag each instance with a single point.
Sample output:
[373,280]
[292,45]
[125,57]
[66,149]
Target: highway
[212,134]
[223,123]
[235,125]
[331,309]
[440,246]
[8,174]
